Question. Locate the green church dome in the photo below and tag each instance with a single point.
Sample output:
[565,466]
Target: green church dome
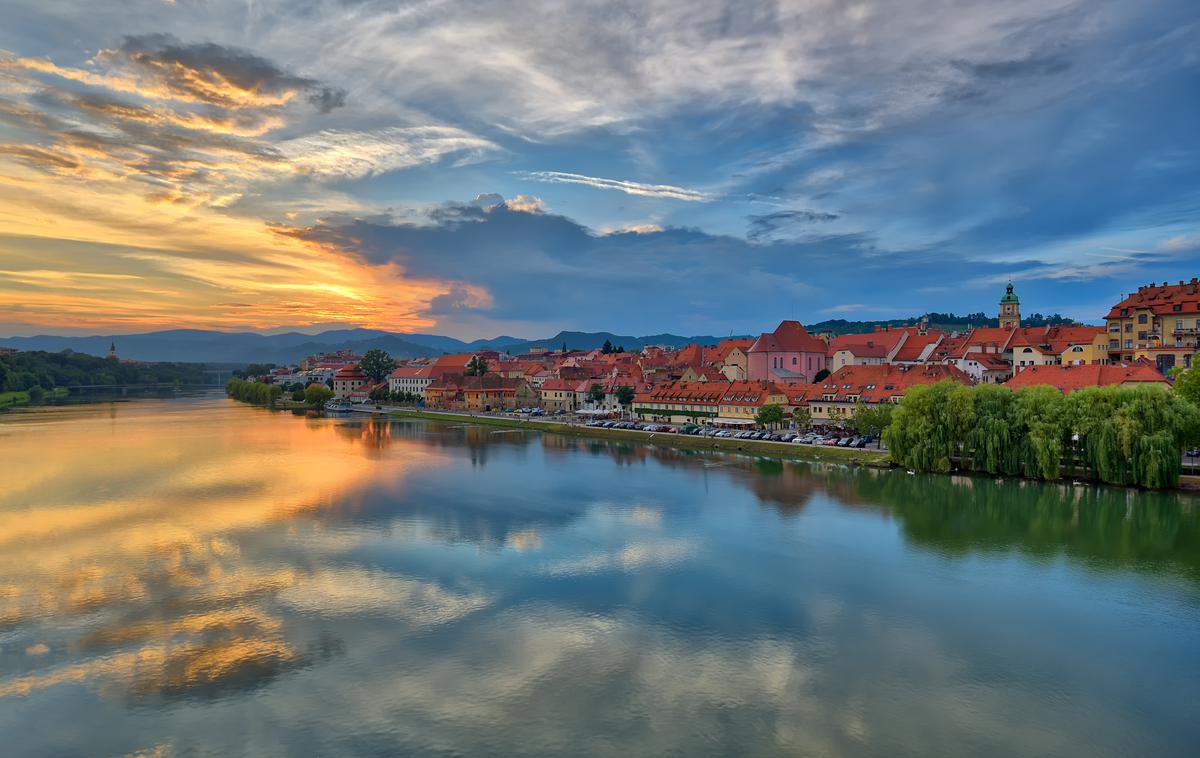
[1009,295]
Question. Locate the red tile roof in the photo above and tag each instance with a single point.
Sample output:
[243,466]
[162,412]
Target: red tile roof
[560,385]
[1068,378]
[749,393]
[1053,340]
[720,353]
[411,372]
[686,393]
[1162,299]
[800,394]
[870,345]
[788,337]
[915,346]
[876,384]
[350,373]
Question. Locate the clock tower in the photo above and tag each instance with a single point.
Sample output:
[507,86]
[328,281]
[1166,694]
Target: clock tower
[1010,309]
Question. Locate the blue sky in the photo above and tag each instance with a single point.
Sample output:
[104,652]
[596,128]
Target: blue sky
[477,168]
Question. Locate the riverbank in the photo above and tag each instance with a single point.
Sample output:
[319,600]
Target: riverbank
[786,450]
[11,399]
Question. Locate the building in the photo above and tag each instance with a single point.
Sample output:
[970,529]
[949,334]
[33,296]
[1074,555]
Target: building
[789,353]
[444,392]
[112,352]
[1054,345]
[1010,309]
[871,349]
[1067,378]
[1158,323]
[729,357]
[742,401]
[845,388]
[681,402]
[347,380]
[451,365]
[492,392]
[410,379]
[558,395]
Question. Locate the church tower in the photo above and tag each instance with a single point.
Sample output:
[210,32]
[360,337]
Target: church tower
[1010,309]
[112,351]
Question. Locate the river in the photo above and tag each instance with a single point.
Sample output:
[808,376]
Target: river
[199,577]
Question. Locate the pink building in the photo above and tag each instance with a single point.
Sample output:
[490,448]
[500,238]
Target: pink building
[788,354]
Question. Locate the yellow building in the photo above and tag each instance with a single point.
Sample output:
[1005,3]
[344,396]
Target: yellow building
[1159,323]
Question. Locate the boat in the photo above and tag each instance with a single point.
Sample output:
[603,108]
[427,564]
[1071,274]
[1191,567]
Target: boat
[338,406]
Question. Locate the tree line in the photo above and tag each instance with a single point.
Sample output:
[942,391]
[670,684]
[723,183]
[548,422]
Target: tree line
[23,371]
[1117,435]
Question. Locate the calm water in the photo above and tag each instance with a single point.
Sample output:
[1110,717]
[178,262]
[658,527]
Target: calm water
[197,577]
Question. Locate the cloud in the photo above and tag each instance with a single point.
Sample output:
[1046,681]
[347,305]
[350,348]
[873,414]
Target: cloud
[212,74]
[532,264]
[347,155]
[781,223]
[621,185]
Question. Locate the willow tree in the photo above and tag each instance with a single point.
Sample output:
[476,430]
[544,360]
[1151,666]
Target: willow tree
[931,424]
[989,445]
[1040,418]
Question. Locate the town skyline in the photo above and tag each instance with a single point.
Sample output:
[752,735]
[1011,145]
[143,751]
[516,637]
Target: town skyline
[697,170]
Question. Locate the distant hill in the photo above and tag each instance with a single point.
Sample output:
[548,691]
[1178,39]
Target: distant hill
[196,345]
[945,321]
[200,346]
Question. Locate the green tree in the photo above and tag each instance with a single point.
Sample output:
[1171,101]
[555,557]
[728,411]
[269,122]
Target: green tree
[258,393]
[254,369]
[625,395]
[380,394]
[821,375]
[477,366]
[596,394]
[769,415]
[803,418]
[377,364]
[1187,385]
[298,396]
[929,427]
[36,393]
[871,419]
[607,347]
[316,395]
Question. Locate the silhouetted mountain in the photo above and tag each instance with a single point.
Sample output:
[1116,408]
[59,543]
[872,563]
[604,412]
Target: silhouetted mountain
[196,345]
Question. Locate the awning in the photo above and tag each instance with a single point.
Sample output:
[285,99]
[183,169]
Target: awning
[733,422]
[592,412]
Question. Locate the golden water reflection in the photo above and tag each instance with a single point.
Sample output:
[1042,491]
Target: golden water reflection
[121,523]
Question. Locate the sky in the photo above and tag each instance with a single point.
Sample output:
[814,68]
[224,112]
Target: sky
[483,168]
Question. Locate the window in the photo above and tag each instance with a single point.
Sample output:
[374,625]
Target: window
[1177,307]
[1141,335]
[1129,326]
[1178,322]
[1142,318]
[794,360]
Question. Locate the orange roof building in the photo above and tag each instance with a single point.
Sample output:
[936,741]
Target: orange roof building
[1067,378]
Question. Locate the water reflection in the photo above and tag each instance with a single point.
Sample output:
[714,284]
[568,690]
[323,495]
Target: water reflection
[170,566]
